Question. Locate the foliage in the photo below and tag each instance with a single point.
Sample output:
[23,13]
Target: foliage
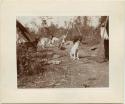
[29,61]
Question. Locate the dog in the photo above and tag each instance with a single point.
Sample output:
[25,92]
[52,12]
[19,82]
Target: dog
[74,54]
[44,42]
[54,40]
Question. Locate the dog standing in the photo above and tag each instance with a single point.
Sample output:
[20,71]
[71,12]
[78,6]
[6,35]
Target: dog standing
[74,54]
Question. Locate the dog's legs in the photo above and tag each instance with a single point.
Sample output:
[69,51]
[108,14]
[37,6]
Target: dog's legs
[77,55]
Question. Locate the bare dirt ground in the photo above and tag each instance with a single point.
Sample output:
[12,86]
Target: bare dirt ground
[88,71]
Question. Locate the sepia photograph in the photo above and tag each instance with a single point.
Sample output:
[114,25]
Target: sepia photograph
[62,51]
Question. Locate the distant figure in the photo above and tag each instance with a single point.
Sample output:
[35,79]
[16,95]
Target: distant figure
[62,40]
[74,54]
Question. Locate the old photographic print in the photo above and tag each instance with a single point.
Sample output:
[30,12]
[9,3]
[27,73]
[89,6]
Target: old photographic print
[62,51]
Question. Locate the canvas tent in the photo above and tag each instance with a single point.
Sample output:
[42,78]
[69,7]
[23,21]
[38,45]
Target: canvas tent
[23,33]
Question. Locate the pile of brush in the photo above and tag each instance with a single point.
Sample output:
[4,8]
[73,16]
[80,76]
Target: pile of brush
[29,61]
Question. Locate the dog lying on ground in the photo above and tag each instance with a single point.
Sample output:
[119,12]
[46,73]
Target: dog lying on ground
[54,40]
[44,42]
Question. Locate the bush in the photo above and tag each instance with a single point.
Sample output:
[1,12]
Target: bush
[29,62]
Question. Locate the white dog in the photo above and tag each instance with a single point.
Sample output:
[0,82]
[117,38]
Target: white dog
[44,42]
[54,40]
[74,51]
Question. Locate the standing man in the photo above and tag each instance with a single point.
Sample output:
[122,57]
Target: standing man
[105,35]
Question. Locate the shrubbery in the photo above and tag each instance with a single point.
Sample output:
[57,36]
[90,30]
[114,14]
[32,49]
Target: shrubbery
[29,61]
